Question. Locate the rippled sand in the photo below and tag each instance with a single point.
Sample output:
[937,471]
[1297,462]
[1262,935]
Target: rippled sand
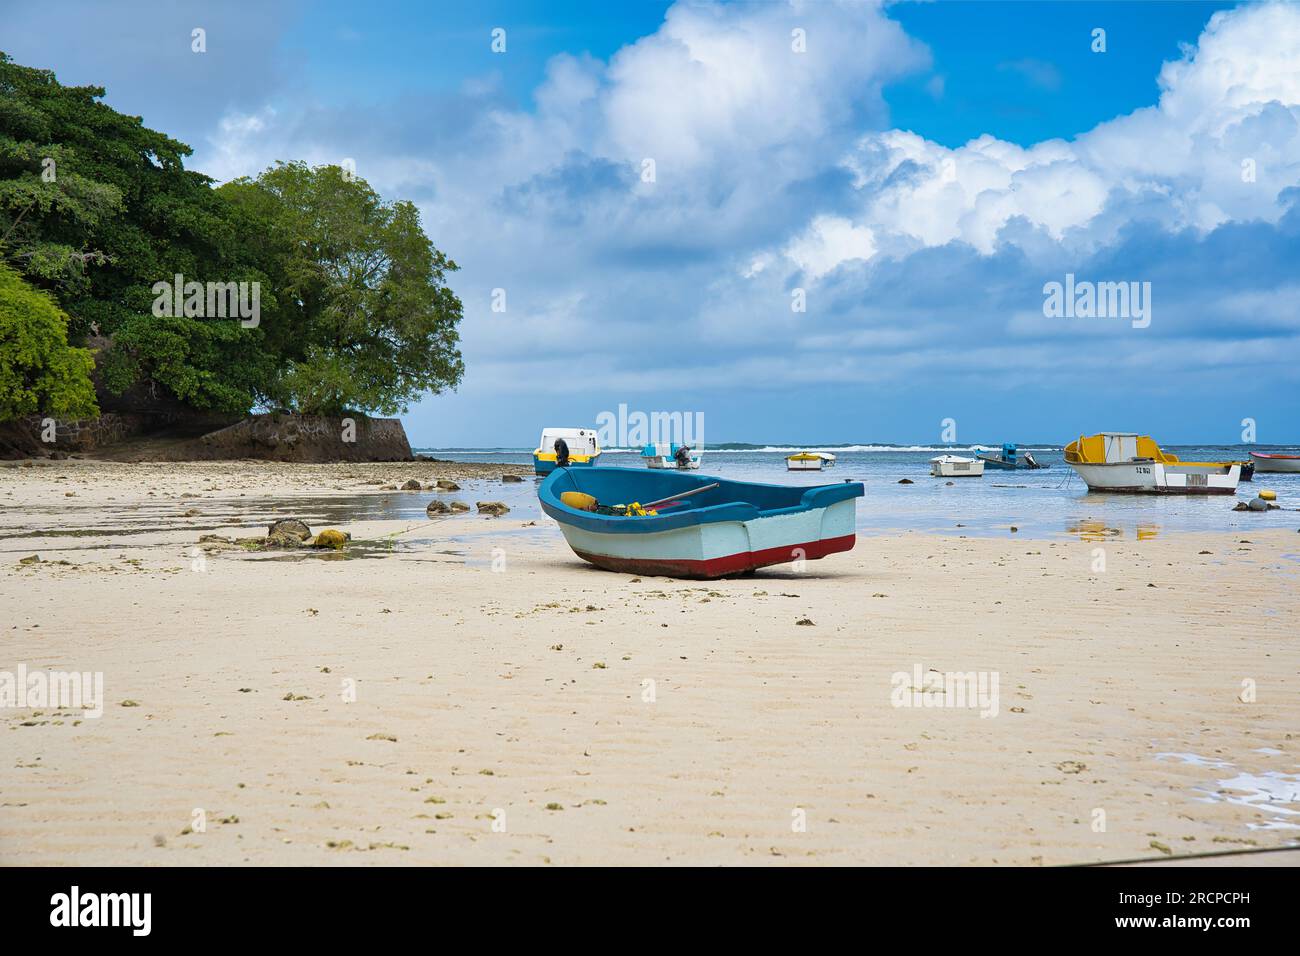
[466,691]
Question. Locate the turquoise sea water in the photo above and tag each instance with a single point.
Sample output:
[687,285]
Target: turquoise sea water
[1046,503]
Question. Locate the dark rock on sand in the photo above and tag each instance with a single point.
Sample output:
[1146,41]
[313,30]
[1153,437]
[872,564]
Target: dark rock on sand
[287,533]
[511,478]
[906,481]
[494,508]
[412,485]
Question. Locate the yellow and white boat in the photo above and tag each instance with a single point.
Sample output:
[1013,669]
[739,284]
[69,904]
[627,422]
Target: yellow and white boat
[581,444]
[809,461]
[1131,463]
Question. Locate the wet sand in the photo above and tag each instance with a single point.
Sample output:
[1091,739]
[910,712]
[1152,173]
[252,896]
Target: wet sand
[469,692]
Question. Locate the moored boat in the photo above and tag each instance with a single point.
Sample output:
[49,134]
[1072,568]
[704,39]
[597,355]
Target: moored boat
[670,455]
[1131,463]
[955,466]
[1273,463]
[1009,460]
[809,461]
[565,447]
[699,527]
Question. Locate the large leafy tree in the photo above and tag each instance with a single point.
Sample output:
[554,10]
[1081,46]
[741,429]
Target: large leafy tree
[96,208]
[374,322]
[38,370]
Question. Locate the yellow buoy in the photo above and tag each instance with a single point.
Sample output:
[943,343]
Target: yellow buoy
[1268,495]
[578,500]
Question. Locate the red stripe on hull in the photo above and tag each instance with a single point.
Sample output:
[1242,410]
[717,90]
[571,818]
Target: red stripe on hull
[720,567]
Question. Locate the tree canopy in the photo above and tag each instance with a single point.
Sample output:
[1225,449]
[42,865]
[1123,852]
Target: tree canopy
[38,371]
[96,208]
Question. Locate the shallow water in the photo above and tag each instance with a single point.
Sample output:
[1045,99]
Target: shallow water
[1048,503]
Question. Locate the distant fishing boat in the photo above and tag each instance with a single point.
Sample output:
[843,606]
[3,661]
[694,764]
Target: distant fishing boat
[1275,463]
[670,455]
[1009,460]
[809,461]
[581,444]
[691,526]
[954,466]
[1128,462]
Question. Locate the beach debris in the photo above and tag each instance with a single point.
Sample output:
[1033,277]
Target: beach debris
[412,485]
[494,508]
[331,538]
[446,484]
[129,703]
[437,507]
[30,559]
[511,478]
[804,622]
[1014,529]
[293,697]
[1071,766]
[1157,845]
[906,481]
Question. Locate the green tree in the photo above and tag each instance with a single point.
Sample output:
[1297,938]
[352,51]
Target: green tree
[39,372]
[373,322]
[119,214]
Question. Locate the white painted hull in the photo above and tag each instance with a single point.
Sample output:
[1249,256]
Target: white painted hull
[1153,477]
[946,469]
[803,465]
[668,463]
[1285,466]
[723,547]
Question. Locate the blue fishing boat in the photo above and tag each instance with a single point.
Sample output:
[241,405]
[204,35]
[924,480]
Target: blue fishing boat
[693,526]
[1008,460]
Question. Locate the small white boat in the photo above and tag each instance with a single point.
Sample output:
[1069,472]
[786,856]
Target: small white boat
[1275,463]
[671,456]
[809,461]
[580,443]
[954,466]
[1132,463]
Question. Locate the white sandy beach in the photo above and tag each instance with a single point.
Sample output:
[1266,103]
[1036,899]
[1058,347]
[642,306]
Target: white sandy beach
[520,697]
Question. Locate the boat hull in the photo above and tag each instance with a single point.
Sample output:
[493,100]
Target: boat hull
[544,466]
[719,550]
[1289,464]
[721,528]
[1159,478]
[664,463]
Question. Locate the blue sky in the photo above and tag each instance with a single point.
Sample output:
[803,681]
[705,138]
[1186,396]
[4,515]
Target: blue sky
[915,173]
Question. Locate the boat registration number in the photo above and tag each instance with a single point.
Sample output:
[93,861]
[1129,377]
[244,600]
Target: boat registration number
[1143,470]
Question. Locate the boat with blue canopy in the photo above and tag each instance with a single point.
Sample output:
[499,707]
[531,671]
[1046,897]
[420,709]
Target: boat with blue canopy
[1009,459]
[684,525]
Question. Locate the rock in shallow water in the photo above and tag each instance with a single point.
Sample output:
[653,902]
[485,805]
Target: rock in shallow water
[494,508]
[436,507]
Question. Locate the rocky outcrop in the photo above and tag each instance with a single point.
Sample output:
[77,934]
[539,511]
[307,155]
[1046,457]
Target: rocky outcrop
[494,508]
[308,438]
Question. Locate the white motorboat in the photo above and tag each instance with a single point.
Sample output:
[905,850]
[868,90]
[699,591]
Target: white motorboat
[955,466]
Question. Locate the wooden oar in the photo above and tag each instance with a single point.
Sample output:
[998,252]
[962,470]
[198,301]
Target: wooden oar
[684,494]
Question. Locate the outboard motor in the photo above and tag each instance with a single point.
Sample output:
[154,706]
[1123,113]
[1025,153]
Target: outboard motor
[561,453]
